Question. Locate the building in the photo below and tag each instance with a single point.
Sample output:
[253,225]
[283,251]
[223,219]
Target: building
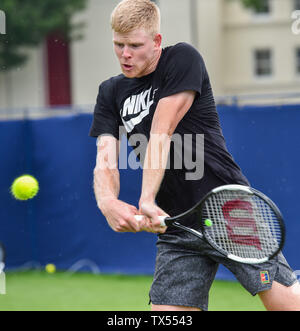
[246,52]
[261,50]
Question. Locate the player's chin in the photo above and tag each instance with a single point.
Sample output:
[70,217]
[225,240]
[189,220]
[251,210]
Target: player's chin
[129,74]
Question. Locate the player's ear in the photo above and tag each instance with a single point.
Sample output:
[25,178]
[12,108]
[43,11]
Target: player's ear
[158,40]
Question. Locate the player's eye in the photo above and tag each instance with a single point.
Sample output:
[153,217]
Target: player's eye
[136,45]
[119,45]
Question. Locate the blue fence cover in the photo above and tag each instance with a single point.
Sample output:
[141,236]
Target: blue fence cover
[63,225]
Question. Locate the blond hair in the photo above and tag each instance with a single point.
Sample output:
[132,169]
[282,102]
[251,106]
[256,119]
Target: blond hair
[130,15]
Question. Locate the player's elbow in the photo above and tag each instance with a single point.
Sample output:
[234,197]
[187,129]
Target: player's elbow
[106,170]
[164,128]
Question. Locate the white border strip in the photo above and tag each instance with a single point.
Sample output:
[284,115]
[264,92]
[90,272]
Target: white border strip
[233,187]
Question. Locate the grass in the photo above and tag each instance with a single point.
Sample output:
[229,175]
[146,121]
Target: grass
[39,291]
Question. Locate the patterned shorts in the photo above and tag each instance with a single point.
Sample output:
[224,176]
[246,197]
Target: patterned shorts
[186,267]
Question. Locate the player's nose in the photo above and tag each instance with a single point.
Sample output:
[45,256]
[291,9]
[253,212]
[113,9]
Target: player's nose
[126,52]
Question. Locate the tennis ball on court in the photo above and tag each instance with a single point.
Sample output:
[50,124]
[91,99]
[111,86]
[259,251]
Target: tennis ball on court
[208,222]
[24,187]
[50,268]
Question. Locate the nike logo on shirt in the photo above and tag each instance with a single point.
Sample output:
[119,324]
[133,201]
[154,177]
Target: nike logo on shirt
[136,107]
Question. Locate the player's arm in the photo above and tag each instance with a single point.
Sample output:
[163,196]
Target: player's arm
[168,114]
[119,215]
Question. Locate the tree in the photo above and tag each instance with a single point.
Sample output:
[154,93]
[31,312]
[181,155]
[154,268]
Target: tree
[255,4]
[29,22]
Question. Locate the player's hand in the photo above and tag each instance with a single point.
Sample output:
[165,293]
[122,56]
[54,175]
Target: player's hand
[120,215]
[151,212]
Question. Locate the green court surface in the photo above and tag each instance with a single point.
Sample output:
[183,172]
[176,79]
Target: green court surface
[62,291]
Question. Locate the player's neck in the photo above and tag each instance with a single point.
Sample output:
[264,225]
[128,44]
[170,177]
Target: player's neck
[153,65]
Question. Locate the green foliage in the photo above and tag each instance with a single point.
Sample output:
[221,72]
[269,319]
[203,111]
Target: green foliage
[254,4]
[29,22]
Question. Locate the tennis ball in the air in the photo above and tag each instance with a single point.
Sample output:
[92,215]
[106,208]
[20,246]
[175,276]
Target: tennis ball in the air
[208,222]
[50,268]
[24,187]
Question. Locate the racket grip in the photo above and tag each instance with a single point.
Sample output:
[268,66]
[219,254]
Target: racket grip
[161,218]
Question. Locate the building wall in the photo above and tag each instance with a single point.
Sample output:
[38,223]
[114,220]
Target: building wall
[93,59]
[224,31]
[25,86]
[243,32]
[210,40]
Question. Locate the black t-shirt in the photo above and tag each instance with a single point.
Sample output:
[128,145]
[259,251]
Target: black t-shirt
[131,103]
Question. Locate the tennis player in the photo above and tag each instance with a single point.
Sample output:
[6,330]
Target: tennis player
[162,92]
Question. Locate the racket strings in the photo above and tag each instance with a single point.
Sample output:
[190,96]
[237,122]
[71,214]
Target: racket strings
[242,224]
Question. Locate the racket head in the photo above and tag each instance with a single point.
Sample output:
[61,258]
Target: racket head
[245,225]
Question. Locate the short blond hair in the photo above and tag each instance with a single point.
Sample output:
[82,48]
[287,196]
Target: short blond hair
[130,15]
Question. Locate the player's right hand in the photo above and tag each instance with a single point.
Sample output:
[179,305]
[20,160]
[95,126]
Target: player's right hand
[120,215]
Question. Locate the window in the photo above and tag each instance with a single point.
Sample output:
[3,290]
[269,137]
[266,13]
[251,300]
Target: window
[296,4]
[263,62]
[298,61]
[264,8]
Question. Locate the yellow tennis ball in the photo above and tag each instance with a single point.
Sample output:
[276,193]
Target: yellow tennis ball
[24,187]
[50,268]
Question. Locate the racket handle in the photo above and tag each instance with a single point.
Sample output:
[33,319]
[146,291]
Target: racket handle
[161,218]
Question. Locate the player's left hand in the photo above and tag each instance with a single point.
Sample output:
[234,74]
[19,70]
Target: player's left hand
[152,222]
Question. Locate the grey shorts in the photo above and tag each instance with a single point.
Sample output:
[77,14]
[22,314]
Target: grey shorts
[186,267]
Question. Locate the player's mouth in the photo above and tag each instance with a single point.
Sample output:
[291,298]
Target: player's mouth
[127,67]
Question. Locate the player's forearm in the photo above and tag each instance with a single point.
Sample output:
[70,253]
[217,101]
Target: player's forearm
[106,173]
[106,185]
[168,114]
[154,167]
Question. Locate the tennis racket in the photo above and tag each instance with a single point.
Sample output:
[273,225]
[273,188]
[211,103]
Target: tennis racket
[238,221]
